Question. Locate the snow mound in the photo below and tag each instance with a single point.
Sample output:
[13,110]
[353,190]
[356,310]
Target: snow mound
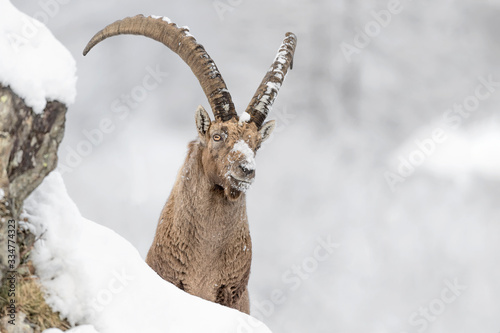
[34,64]
[93,276]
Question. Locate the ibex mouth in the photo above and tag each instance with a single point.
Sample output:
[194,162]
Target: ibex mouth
[236,187]
[249,181]
[240,184]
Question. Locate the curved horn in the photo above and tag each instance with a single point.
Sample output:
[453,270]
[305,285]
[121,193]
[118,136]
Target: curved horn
[264,97]
[184,44]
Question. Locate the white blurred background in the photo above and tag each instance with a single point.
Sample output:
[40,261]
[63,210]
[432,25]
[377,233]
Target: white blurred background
[388,145]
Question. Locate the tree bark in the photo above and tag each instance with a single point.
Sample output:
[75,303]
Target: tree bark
[28,152]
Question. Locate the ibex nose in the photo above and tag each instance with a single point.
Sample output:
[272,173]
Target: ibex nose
[246,171]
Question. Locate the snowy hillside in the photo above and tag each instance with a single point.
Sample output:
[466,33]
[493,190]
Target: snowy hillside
[95,277]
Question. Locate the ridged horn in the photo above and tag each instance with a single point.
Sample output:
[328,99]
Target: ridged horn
[185,45]
[264,97]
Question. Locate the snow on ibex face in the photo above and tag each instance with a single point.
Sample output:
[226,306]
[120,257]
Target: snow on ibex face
[33,63]
[249,156]
[245,159]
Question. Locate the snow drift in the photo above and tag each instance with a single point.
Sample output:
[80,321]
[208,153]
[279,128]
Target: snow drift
[94,276]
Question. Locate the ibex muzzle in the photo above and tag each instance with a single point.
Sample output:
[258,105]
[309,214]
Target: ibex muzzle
[202,241]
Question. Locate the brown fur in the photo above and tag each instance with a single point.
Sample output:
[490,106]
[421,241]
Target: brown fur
[202,242]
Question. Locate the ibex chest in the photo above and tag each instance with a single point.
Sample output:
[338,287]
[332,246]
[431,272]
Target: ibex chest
[218,260]
[222,245]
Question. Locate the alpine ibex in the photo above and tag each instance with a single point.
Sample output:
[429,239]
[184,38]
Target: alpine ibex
[202,241]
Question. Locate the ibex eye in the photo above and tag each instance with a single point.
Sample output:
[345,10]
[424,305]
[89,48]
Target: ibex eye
[217,137]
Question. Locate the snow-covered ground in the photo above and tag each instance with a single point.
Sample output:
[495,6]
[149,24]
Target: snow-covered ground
[418,257]
[95,277]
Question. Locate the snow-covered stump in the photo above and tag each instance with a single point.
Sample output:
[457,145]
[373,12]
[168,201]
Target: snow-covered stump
[37,81]
[28,152]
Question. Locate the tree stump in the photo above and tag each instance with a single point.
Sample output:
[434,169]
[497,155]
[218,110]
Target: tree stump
[28,153]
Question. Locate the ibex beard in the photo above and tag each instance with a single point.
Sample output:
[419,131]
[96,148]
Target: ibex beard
[202,241]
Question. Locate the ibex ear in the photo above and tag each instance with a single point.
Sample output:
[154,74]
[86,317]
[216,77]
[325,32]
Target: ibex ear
[202,122]
[266,129]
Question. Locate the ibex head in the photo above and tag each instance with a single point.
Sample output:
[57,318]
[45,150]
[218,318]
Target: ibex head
[229,149]
[229,142]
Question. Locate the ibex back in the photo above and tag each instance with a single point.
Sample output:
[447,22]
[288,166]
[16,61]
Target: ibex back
[202,242]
